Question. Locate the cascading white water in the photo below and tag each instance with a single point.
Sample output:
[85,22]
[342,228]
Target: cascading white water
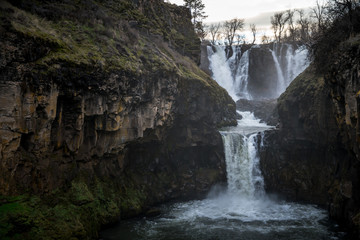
[281,84]
[242,162]
[295,63]
[221,71]
[242,77]
[231,74]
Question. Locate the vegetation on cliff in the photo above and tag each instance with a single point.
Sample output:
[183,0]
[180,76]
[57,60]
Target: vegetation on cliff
[103,112]
[340,21]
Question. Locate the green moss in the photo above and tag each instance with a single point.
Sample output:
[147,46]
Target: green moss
[132,202]
[356,220]
[79,209]
[76,213]
[308,83]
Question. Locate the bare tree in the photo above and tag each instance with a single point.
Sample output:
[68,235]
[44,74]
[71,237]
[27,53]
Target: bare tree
[304,24]
[254,32]
[230,29]
[275,27]
[240,39]
[214,30]
[318,13]
[291,25]
[265,39]
[201,30]
[278,22]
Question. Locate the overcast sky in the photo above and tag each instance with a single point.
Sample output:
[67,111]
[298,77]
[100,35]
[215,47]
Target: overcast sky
[254,11]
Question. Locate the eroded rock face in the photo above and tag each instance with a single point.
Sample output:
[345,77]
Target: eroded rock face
[122,107]
[263,78]
[313,157]
[343,79]
[298,161]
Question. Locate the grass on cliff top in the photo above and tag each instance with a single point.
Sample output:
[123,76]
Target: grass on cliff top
[107,46]
[73,42]
[106,42]
[308,81]
[96,44]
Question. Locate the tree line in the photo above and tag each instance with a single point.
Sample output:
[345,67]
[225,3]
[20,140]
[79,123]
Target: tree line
[336,21]
[293,25]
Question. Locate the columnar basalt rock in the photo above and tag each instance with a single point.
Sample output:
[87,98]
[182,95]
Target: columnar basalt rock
[108,113]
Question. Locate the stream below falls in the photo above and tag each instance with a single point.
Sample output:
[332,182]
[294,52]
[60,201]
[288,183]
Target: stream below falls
[240,211]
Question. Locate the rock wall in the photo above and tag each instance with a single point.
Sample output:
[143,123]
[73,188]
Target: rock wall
[263,78]
[102,113]
[313,156]
[343,79]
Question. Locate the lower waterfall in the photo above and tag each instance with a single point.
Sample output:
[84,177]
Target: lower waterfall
[240,211]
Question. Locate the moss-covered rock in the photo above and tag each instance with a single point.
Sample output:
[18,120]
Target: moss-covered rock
[103,113]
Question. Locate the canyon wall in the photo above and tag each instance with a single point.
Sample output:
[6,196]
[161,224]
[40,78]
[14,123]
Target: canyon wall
[103,113]
[313,156]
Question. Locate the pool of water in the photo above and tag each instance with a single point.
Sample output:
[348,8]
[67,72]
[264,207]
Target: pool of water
[230,216]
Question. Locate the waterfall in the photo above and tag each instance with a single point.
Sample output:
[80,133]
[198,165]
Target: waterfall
[297,62]
[289,66]
[242,77]
[242,165]
[233,73]
[242,161]
[281,84]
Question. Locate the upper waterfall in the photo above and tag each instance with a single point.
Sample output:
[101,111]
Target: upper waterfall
[260,72]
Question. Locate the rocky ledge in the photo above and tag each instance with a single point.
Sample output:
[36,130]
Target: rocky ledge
[103,113]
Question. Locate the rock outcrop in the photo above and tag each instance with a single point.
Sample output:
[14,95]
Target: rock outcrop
[313,157]
[103,112]
[263,78]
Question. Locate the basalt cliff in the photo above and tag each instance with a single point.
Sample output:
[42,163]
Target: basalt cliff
[103,113]
[314,154]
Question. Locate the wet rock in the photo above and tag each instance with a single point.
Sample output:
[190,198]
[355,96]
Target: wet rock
[153,212]
[262,83]
[238,116]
